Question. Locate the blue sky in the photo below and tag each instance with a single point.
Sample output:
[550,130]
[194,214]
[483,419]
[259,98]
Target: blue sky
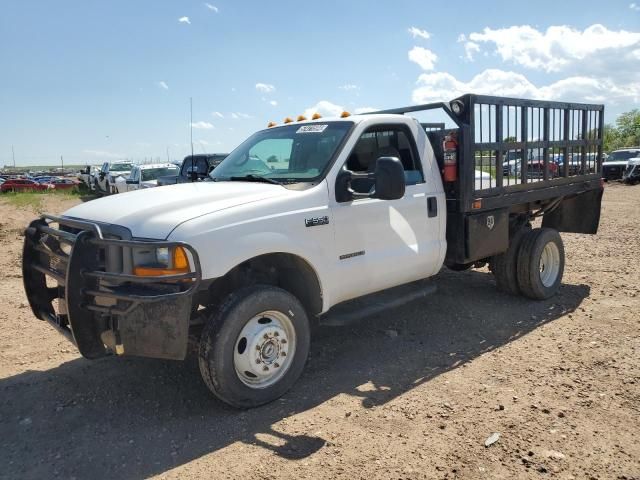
[99,80]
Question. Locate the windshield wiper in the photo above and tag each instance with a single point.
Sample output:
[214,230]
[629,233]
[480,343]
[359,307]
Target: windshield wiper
[254,178]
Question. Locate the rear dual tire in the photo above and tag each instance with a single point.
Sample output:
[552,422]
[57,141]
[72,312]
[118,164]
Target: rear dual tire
[540,263]
[533,264]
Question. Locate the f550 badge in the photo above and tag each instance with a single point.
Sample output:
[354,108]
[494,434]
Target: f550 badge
[315,221]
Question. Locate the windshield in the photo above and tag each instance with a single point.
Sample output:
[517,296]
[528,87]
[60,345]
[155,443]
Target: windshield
[121,167]
[622,155]
[154,173]
[294,153]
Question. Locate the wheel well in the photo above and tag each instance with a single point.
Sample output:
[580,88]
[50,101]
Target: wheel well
[284,270]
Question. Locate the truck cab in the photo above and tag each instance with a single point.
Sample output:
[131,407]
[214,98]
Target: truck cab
[306,220]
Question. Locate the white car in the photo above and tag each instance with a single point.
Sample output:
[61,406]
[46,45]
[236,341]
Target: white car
[145,176]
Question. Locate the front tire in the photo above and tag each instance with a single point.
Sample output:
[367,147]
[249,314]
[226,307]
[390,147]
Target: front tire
[540,263]
[254,347]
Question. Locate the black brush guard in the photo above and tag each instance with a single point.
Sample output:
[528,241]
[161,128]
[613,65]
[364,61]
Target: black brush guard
[104,312]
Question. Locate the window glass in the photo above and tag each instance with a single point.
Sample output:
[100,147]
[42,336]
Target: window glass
[121,167]
[154,173]
[384,142]
[300,152]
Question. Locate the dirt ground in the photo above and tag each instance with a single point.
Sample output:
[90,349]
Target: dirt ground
[559,380]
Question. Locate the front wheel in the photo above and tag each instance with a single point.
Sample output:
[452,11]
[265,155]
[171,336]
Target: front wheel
[255,346]
[540,263]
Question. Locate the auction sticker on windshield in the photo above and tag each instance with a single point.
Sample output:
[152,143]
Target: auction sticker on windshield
[312,129]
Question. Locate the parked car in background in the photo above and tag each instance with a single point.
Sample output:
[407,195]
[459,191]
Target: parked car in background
[616,163]
[105,181]
[194,168]
[145,176]
[43,178]
[65,183]
[24,185]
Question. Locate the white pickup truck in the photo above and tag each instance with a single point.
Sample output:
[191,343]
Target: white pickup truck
[303,221]
[144,176]
[105,181]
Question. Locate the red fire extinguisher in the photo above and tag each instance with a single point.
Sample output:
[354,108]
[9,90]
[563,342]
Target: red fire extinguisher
[450,148]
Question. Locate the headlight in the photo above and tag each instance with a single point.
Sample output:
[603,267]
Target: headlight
[161,261]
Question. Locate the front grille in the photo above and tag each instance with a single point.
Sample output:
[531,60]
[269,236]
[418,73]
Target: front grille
[94,282]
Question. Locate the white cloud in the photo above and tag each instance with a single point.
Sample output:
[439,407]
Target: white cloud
[424,57]
[202,125]
[444,86]
[238,115]
[634,6]
[349,86]
[416,32]
[103,154]
[470,49]
[217,114]
[202,142]
[559,47]
[324,108]
[273,103]
[213,8]
[184,20]
[329,109]
[163,85]
[265,88]
[361,110]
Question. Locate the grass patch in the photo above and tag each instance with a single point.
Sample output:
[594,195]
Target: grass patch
[34,199]
[22,200]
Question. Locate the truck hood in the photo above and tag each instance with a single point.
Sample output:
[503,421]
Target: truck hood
[155,212]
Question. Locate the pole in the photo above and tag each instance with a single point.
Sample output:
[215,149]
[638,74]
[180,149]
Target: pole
[191,126]
[168,161]
[13,156]
[62,162]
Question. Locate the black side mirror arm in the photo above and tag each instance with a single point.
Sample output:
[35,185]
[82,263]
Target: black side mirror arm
[344,192]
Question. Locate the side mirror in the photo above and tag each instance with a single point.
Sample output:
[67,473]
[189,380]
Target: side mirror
[390,183]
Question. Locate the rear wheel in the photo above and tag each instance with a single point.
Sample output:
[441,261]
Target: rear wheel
[540,263]
[255,346]
[505,265]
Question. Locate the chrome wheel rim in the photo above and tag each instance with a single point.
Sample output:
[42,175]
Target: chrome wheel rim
[264,349]
[549,264]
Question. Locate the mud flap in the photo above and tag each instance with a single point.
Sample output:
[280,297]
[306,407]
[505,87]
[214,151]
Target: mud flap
[579,214]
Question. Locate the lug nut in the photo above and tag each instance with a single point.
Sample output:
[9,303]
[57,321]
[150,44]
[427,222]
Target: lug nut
[265,368]
[258,347]
[284,340]
[276,334]
[257,360]
[276,365]
[266,336]
[284,354]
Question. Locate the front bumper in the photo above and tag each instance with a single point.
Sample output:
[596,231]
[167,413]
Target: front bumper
[612,172]
[90,296]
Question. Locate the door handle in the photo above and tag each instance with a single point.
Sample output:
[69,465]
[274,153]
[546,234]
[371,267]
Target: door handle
[432,207]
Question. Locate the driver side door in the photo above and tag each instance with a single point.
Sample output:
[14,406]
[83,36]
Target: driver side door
[384,243]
